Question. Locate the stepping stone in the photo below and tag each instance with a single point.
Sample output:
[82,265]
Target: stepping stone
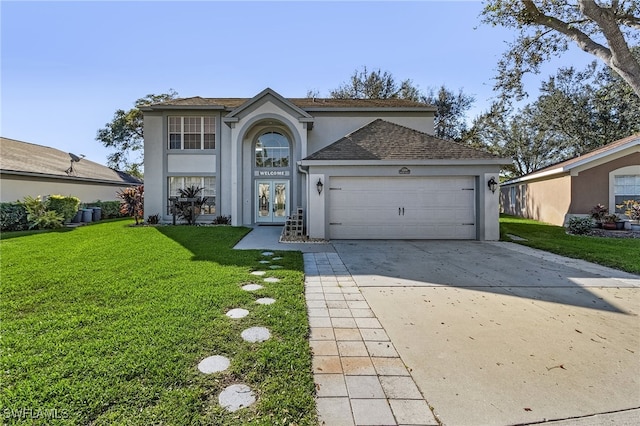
[255,334]
[272,280]
[237,313]
[264,262]
[278,258]
[258,273]
[275,267]
[235,397]
[266,301]
[252,287]
[267,253]
[214,364]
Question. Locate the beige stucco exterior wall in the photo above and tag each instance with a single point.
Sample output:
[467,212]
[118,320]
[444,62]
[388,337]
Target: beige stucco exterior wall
[544,200]
[15,188]
[591,186]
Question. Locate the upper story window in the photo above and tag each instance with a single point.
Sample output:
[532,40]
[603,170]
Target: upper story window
[192,133]
[272,150]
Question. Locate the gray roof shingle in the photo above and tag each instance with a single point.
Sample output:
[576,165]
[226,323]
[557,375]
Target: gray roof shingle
[382,140]
[26,158]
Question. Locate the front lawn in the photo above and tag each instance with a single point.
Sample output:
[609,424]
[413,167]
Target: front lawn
[619,253]
[107,323]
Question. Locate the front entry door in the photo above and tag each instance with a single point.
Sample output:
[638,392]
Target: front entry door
[272,201]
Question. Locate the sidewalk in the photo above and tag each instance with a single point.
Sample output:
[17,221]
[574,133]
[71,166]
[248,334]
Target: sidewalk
[360,378]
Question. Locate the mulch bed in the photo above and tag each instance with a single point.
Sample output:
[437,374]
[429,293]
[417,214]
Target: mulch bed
[597,232]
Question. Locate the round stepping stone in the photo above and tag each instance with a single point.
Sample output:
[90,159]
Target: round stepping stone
[264,262]
[266,301]
[214,364]
[272,280]
[278,258]
[252,287]
[255,334]
[235,397]
[258,273]
[275,267]
[267,253]
[237,313]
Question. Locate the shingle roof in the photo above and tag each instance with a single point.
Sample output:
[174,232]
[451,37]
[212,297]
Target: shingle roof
[304,103]
[27,158]
[382,140]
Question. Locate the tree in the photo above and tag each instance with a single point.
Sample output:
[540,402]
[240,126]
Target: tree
[451,111]
[124,133]
[545,29]
[375,85]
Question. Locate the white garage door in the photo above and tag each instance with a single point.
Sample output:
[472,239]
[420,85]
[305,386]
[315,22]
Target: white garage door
[402,208]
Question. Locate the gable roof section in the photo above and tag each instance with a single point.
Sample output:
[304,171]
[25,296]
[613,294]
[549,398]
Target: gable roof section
[383,140]
[268,94]
[592,158]
[27,159]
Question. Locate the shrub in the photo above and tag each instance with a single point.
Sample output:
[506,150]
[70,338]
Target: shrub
[38,216]
[132,202]
[598,212]
[64,206]
[222,220]
[580,225]
[13,217]
[189,205]
[153,219]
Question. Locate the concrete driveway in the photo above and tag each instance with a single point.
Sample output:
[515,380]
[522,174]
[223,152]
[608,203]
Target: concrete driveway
[497,334]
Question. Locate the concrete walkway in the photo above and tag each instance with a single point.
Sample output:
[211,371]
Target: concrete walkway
[358,317]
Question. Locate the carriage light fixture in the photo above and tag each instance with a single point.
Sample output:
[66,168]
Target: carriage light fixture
[319,186]
[492,184]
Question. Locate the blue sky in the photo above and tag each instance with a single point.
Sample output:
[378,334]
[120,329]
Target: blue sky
[67,66]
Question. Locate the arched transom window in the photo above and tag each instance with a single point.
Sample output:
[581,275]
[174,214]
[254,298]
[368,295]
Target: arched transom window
[272,150]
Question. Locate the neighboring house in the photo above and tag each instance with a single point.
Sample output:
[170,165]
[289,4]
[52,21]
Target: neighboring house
[29,169]
[607,175]
[361,169]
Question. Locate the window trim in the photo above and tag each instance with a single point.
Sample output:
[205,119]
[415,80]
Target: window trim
[202,135]
[212,189]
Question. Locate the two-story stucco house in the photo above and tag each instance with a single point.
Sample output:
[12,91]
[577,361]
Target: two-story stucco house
[358,169]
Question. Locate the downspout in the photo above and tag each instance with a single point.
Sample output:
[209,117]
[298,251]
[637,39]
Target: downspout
[306,213]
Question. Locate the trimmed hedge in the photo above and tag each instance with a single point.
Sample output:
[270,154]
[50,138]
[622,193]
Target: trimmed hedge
[13,217]
[64,206]
[110,209]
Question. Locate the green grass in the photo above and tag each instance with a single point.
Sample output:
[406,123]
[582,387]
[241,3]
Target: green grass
[107,323]
[619,253]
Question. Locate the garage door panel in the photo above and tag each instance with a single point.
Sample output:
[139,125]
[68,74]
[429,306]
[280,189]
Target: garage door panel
[402,208]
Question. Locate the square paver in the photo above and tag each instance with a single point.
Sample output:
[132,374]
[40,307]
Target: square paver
[330,385]
[358,304]
[368,323]
[364,387]
[334,411]
[316,304]
[320,322]
[326,365]
[347,334]
[351,290]
[389,366]
[314,296]
[381,349]
[400,387]
[357,366]
[354,296]
[412,412]
[337,304]
[334,296]
[322,333]
[313,290]
[372,412]
[318,312]
[329,290]
[343,322]
[374,335]
[352,348]
[323,347]
[340,313]
[362,313]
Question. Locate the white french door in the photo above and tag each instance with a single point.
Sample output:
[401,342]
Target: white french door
[272,201]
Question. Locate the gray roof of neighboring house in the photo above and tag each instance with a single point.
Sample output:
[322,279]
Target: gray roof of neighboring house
[382,140]
[23,158]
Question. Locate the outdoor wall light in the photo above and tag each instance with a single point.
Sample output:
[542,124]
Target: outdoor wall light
[492,184]
[319,186]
